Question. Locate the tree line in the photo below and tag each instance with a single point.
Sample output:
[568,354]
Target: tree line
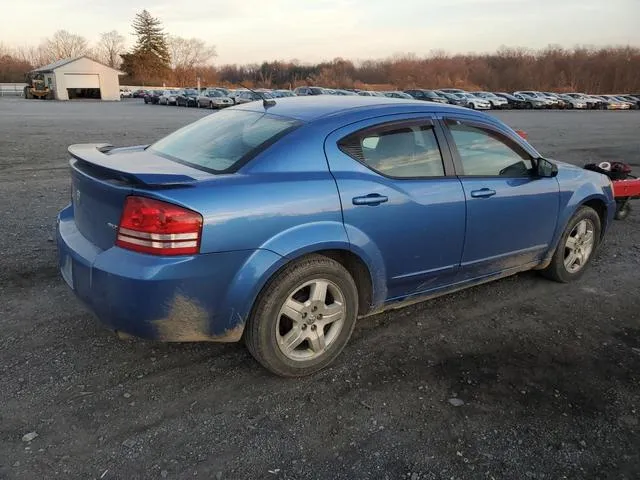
[158,58]
[594,70]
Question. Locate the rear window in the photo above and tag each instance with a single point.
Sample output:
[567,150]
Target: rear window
[224,141]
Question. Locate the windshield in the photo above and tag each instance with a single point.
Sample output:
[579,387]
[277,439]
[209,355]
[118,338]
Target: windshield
[221,142]
[213,93]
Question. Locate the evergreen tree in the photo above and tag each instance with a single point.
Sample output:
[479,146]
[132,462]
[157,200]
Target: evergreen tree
[149,62]
[151,37]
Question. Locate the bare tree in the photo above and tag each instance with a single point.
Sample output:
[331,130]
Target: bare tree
[187,53]
[109,48]
[35,56]
[64,45]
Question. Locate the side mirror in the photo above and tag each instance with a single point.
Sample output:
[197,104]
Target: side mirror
[546,168]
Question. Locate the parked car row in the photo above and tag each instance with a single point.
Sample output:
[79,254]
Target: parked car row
[219,97]
[209,98]
[527,99]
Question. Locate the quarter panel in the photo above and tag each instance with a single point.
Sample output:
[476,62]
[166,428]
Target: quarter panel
[244,212]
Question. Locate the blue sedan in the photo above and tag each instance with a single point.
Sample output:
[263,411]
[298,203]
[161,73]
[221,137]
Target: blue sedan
[281,222]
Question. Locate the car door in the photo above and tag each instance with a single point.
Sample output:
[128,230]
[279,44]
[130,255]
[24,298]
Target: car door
[511,212]
[400,199]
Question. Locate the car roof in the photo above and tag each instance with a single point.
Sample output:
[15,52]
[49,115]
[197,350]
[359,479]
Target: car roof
[312,108]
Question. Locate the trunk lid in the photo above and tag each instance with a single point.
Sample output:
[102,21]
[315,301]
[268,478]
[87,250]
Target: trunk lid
[102,177]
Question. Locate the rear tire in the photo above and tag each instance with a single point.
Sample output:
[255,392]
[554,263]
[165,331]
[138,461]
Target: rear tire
[284,330]
[529,106]
[575,249]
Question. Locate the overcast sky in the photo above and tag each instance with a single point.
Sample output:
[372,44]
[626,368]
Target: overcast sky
[311,30]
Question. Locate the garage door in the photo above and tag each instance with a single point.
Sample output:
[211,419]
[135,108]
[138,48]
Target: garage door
[73,80]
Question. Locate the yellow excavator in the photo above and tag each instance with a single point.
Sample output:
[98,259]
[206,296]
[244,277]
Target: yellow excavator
[36,87]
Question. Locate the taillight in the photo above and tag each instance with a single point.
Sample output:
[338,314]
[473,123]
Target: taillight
[522,134]
[159,228]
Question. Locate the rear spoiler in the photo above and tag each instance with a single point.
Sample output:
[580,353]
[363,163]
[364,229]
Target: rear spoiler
[148,172]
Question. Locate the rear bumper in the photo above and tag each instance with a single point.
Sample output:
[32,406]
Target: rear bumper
[180,299]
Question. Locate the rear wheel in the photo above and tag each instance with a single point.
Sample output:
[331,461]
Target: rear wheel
[303,318]
[577,245]
[529,105]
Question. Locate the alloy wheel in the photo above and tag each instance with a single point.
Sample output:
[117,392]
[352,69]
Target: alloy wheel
[579,246]
[310,320]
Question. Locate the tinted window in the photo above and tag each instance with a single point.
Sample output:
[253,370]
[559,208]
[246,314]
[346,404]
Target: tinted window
[218,142]
[487,153]
[403,152]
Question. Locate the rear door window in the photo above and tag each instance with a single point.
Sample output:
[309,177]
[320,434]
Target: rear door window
[223,142]
[397,152]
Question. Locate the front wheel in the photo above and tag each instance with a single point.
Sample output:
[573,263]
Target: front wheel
[303,318]
[577,245]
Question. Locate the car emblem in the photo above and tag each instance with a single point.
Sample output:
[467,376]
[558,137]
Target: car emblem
[78,194]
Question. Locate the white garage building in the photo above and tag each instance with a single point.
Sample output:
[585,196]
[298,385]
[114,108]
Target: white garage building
[81,77]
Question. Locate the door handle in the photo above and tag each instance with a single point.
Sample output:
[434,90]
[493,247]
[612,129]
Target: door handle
[483,193]
[372,199]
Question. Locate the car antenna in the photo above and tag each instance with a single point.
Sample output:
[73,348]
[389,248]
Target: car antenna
[266,102]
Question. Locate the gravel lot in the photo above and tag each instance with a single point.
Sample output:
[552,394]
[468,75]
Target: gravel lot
[549,374]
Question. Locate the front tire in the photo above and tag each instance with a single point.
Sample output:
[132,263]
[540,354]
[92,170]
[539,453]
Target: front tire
[303,318]
[576,247]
